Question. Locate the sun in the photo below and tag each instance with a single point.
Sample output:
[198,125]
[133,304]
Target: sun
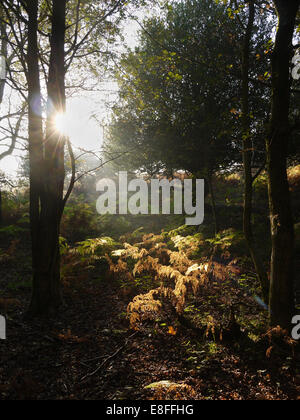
[64,124]
[78,124]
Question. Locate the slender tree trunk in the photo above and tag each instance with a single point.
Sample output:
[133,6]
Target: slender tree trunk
[36,140]
[3,50]
[3,53]
[213,203]
[35,127]
[247,156]
[46,297]
[282,227]
[1,211]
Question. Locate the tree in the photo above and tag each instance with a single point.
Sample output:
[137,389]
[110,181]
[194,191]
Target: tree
[174,99]
[278,139]
[181,90]
[11,121]
[3,52]
[74,29]
[248,151]
[46,160]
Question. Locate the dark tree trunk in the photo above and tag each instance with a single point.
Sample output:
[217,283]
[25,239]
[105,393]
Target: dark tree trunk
[47,199]
[213,203]
[35,128]
[2,85]
[282,227]
[247,156]
[3,50]
[1,212]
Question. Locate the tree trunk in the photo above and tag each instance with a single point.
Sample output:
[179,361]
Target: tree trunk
[35,127]
[3,53]
[213,203]
[247,157]
[282,227]
[1,212]
[3,50]
[47,199]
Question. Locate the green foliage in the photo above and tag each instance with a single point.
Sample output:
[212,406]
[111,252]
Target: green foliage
[21,284]
[12,230]
[15,207]
[80,220]
[183,231]
[64,247]
[97,246]
[115,225]
[189,244]
[261,189]
[230,243]
[177,98]
[229,189]
[180,95]
[24,220]
[140,284]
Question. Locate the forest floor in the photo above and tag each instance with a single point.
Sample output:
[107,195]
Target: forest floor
[90,352]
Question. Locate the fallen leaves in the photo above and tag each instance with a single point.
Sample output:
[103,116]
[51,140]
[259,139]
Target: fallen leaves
[172,331]
[69,337]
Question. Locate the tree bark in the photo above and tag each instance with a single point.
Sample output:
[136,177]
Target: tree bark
[247,157]
[282,226]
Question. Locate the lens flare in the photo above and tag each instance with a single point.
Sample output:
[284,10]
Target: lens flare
[63,124]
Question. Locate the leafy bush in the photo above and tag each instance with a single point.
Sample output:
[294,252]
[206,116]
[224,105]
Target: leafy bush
[183,231]
[24,220]
[189,244]
[14,207]
[229,244]
[79,221]
[294,177]
[64,247]
[12,230]
[261,188]
[97,246]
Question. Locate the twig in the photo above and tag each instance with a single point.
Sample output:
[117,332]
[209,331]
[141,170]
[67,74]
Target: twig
[94,359]
[89,375]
